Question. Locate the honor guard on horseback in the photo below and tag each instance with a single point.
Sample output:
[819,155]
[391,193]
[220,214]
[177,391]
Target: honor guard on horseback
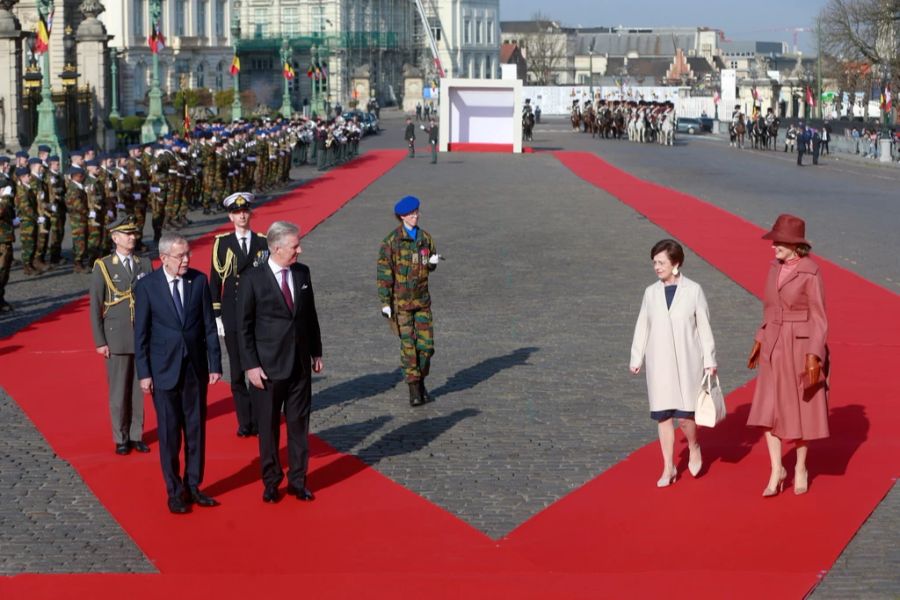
[232,255]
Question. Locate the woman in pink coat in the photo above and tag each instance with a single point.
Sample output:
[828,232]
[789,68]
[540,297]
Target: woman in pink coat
[790,401]
[673,338]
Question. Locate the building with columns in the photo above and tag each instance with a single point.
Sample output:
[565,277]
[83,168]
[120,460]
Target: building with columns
[197,51]
[467,33]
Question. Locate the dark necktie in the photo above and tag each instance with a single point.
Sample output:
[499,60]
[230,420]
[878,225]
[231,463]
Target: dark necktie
[244,246]
[176,297]
[286,291]
[127,262]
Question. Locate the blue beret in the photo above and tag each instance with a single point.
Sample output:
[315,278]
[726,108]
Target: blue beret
[91,163]
[76,153]
[133,147]
[4,160]
[406,205]
[44,148]
[76,170]
[118,155]
[53,158]
[22,171]
[86,149]
[21,154]
[35,161]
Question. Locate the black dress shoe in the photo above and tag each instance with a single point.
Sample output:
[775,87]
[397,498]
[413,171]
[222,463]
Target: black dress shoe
[140,447]
[177,506]
[122,449]
[271,494]
[244,432]
[301,494]
[198,497]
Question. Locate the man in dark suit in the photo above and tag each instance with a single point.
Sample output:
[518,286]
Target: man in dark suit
[232,256]
[409,134]
[112,313]
[280,343]
[802,142]
[177,354]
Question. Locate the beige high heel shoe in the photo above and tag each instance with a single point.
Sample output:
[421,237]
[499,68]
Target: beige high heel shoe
[668,479]
[694,467]
[769,492]
[801,485]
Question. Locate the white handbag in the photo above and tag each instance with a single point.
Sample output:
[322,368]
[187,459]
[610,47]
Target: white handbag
[710,402]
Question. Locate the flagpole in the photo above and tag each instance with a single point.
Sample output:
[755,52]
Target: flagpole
[285,66]
[155,124]
[236,113]
[46,133]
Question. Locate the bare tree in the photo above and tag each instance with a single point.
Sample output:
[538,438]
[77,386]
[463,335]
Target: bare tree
[545,49]
[863,31]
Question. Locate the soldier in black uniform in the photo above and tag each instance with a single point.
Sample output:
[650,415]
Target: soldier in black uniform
[410,136]
[433,140]
[233,254]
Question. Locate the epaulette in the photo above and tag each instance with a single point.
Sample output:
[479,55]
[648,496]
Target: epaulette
[262,235]
[221,235]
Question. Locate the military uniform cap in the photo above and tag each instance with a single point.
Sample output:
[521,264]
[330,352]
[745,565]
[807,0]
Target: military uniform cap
[35,161]
[75,170]
[91,163]
[53,158]
[133,147]
[74,153]
[4,160]
[20,171]
[124,224]
[44,148]
[21,154]
[238,201]
[406,205]
[118,155]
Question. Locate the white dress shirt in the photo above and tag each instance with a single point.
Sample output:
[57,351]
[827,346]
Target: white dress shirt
[170,279]
[276,270]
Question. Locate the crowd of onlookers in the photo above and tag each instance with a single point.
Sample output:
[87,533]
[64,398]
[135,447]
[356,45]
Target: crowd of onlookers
[865,142]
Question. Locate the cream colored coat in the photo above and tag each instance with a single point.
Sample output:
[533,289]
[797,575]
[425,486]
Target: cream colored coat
[676,344]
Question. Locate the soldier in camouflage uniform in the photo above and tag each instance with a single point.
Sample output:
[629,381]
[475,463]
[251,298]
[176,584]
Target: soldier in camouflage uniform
[159,188]
[56,184]
[140,188]
[44,214]
[77,209]
[26,212]
[405,260]
[7,229]
[96,204]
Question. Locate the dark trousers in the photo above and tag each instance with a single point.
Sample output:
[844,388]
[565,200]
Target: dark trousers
[294,395]
[243,409]
[815,154]
[800,154]
[181,414]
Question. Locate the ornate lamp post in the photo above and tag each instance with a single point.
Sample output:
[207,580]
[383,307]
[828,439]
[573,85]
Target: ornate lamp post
[69,77]
[591,67]
[314,82]
[286,94]
[114,80]
[46,133]
[155,125]
[236,113]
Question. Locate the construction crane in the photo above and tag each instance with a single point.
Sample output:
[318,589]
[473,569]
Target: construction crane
[434,49]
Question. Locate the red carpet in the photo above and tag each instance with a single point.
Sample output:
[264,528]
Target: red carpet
[366,536]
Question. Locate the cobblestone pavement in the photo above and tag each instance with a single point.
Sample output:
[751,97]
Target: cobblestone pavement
[533,315]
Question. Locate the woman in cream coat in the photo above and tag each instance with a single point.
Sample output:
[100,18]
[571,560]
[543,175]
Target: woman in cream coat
[673,337]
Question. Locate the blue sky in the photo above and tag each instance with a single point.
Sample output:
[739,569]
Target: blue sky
[761,22]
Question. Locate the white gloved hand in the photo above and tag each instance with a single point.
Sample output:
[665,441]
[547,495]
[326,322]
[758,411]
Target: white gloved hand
[434,259]
[7,191]
[220,327]
[110,214]
[53,207]
[120,206]
[386,311]
[92,214]
[16,221]
[41,220]
[136,196]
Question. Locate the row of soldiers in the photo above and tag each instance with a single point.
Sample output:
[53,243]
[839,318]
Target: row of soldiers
[160,181]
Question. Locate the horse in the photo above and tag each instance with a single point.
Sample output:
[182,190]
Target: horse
[736,132]
[667,132]
[528,126]
[773,133]
[575,118]
[759,134]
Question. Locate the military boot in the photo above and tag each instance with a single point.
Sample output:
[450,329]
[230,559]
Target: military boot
[41,266]
[27,269]
[415,399]
[423,393]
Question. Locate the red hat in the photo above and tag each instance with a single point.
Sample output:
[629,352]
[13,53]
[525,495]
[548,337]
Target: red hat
[788,229]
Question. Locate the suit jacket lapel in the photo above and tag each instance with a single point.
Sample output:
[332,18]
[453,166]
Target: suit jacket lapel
[295,275]
[270,275]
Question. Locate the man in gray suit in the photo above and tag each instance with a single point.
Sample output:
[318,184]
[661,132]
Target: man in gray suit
[112,323]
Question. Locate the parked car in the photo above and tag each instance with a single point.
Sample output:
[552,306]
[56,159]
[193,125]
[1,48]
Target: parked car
[707,124]
[367,120]
[688,125]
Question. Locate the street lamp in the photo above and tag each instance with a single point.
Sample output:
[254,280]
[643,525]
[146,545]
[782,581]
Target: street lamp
[591,67]
[69,77]
[155,125]
[286,94]
[236,113]
[46,134]
[114,80]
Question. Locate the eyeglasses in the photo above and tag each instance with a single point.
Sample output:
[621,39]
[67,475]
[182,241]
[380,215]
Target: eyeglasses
[180,257]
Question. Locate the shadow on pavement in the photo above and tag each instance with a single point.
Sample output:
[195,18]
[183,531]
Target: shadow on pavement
[472,376]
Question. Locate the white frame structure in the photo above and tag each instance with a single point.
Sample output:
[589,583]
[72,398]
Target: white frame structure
[484,114]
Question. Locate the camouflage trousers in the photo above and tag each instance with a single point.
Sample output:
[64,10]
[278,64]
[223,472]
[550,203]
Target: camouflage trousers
[416,343]
[43,241]
[140,218]
[94,241]
[28,239]
[78,227]
[6,259]
[173,200]
[57,233]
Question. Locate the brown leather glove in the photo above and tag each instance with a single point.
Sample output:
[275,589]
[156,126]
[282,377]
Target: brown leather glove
[753,361]
[813,367]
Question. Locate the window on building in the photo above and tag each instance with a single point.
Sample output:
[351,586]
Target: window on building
[318,19]
[220,75]
[490,31]
[140,82]
[220,18]
[489,67]
[471,67]
[201,17]
[290,21]
[435,28]
[467,31]
[179,17]
[734,64]
[137,20]
[260,22]
[478,31]
[182,73]
[201,76]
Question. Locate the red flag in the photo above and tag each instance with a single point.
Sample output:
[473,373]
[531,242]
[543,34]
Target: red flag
[810,99]
[42,30]
[187,119]
[716,97]
[235,65]
[156,40]
[886,98]
[288,71]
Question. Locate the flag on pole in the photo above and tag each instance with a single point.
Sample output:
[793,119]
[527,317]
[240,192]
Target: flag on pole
[310,71]
[810,99]
[235,65]
[42,30]
[187,119]
[716,97]
[156,40]
[754,93]
[288,71]
[886,98]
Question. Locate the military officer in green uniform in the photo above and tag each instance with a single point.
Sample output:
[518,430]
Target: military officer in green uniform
[112,324]
[78,211]
[57,186]
[27,213]
[234,254]
[42,204]
[96,204]
[7,230]
[405,260]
